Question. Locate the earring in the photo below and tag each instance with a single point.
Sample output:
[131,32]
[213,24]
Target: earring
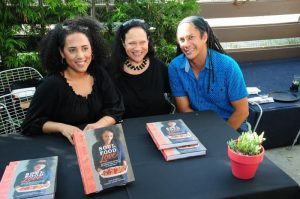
[63,62]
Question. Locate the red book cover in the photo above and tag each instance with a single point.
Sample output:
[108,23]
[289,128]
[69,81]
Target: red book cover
[171,134]
[7,180]
[103,158]
[32,178]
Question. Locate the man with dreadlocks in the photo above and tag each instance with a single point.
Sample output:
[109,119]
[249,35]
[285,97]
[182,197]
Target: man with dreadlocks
[203,77]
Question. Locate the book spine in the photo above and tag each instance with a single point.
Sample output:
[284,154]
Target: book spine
[85,164]
[7,179]
[159,139]
[152,136]
[165,155]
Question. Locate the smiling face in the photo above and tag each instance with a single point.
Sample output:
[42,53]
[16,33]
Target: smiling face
[107,137]
[191,43]
[77,52]
[136,45]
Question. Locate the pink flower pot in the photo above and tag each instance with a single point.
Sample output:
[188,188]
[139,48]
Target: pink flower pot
[244,166]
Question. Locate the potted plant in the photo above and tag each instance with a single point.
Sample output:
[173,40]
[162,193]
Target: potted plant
[246,153]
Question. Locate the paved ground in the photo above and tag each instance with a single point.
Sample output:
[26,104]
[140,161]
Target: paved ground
[287,159]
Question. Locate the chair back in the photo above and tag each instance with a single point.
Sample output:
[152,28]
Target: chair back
[11,78]
[13,108]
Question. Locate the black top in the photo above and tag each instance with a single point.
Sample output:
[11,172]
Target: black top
[55,100]
[143,94]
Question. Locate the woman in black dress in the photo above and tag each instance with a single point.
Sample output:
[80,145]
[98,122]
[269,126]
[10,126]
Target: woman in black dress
[77,94]
[140,76]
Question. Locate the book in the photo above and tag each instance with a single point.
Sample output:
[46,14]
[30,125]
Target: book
[253,90]
[171,134]
[103,158]
[32,178]
[184,151]
[260,100]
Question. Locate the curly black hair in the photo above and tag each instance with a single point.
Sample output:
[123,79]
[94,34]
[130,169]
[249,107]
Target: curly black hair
[55,40]
[33,162]
[115,131]
[119,55]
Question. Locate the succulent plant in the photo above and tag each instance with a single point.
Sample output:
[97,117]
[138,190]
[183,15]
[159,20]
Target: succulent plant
[248,143]
[296,82]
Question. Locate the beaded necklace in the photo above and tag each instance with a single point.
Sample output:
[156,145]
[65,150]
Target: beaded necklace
[139,67]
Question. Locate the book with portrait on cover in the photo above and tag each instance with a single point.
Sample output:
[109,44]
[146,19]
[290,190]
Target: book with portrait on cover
[171,134]
[103,158]
[184,151]
[32,178]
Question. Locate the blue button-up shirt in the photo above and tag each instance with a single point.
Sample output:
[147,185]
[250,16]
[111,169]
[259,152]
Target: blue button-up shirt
[228,84]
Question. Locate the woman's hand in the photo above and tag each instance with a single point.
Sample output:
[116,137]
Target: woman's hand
[65,129]
[69,130]
[103,122]
[91,126]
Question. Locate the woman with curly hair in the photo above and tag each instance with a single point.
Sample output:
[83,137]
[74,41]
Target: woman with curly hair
[77,94]
[140,76]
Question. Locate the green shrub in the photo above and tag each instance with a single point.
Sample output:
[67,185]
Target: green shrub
[164,16]
[25,20]
[31,21]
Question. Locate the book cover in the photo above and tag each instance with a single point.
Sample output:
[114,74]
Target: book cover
[103,158]
[32,178]
[171,134]
[184,151]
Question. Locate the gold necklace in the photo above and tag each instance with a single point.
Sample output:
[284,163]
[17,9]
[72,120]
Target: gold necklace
[133,67]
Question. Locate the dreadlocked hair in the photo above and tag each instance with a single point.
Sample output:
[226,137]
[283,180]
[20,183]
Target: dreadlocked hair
[212,43]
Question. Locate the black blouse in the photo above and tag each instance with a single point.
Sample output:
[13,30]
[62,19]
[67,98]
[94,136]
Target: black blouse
[55,100]
[143,94]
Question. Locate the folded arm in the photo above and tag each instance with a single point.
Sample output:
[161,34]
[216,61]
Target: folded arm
[183,104]
[240,114]
[102,122]
[65,129]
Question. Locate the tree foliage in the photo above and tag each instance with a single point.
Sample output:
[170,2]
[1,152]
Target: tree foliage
[24,22]
[162,15]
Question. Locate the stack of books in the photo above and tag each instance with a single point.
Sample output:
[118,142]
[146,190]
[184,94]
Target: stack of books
[175,140]
[32,178]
